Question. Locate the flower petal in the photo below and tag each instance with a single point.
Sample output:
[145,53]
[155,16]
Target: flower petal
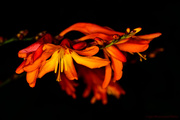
[88,28]
[95,35]
[49,65]
[68,86]
[38,52]
[20,69]
[137,43]
[91,62]
[50,47]
[24,52]
[31,77]
[117,67]
[37,63]
[149,36]
[132,47]
[108,74]
[70,70]
[33,47]
[115,52]
[79,45]
[89,51]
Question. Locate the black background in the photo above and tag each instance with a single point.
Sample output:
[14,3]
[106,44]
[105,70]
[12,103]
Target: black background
[152,86]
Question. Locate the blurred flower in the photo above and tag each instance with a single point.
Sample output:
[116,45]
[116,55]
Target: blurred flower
[2,39]
[68,85]
[22,34]
[93,78]
[154,53]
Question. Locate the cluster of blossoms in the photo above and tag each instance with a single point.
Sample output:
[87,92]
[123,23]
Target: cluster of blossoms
[97,58]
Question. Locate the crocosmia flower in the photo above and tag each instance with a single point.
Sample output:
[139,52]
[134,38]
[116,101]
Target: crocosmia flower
[34,58]
[113,43]
[96,58]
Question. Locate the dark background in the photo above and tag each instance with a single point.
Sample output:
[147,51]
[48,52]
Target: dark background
[152,86]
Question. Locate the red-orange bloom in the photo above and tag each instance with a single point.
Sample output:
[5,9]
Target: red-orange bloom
[104,37]
[62,60]
[34,57]
[68,85]
[94,79]
[73,59]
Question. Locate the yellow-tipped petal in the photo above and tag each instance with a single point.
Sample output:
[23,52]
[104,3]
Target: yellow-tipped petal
[91,62]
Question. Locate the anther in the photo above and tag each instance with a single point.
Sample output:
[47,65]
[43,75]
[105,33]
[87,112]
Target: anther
[142,56]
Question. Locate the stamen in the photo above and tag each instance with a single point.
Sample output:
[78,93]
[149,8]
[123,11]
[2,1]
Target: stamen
[142,56]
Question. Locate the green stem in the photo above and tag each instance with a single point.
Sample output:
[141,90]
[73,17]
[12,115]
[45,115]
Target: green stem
[16,39]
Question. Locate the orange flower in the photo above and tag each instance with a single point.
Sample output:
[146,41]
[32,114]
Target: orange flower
[34,58]
[62,61]
[130,44]
[112,44]
[116,57]
[94,79]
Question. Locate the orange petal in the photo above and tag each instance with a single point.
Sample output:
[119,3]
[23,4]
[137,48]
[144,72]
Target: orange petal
[79,45]
[117,67]
[49,65]
[89,51]
[91,62]
[50,47]
[70,70]
[108,74]
[37,63]
[24,52]
[33,47]
[96,35]
[68,86]
[104,98]
[132,47]
[88,28]
[149,36]
[115,52]
[20,69]
[86,92]
[29,59]
[38,52]
[31,77]
[138,43]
